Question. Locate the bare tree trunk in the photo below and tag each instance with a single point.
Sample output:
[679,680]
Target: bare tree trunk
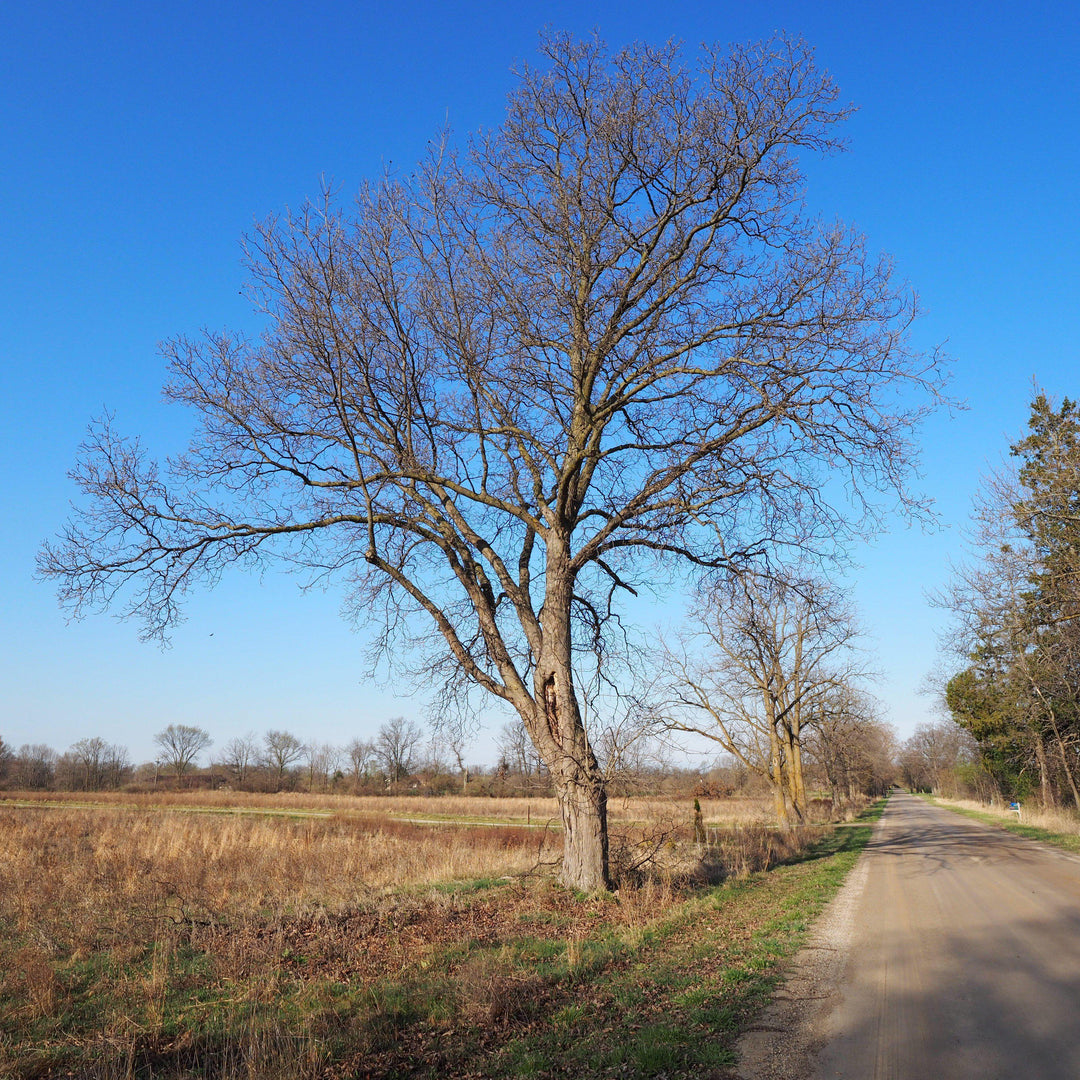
[558,732]
[795,782]
[583,807]
[1044,771]
[582,798]
[777,776]
[798,775]
[1064,759]
[1065,767]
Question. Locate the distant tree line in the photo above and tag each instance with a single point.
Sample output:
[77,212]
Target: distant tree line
[941,758]
[403,757]
[276,761]
[88,765]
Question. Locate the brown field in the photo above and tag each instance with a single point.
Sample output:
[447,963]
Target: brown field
[137,940]
[537,811]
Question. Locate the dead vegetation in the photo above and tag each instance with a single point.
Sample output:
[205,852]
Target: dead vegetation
[537,810]
[156,943]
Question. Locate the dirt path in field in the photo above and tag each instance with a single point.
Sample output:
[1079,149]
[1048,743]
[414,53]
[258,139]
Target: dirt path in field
[952,952]
[165,808]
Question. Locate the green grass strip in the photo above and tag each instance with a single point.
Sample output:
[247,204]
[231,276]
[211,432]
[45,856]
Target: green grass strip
[677,1004]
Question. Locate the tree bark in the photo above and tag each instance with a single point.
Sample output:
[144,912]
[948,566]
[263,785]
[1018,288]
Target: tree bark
[1047,791]
[798,774]
[795,781]
[557,730]
[777,770]
[583,807]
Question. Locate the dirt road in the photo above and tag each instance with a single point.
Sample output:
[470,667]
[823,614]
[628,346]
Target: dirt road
[955,954]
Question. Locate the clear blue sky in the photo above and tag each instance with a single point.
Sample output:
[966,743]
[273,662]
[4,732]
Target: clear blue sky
[139,141]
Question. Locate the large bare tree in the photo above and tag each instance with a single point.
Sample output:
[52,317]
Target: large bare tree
[758,671]
[181,745]
[602,337]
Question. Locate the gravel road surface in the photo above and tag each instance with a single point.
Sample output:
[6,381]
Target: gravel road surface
[952,952]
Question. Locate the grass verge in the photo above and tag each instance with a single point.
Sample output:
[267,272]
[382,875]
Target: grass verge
[674,1005]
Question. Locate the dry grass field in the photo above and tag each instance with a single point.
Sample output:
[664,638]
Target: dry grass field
[223,935]
[455,808]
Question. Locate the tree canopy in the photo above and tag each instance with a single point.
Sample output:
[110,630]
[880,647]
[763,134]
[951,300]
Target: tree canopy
[1018,612]
[600,339]
[774,661]
[180,745]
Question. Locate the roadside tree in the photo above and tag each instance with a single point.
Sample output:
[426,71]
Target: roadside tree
[999,716]
[930,759]
[760,670]
[1016,609]
[854,748]
[602,339]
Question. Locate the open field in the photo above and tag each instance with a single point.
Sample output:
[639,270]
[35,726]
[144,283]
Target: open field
[141,943]
[454,808]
